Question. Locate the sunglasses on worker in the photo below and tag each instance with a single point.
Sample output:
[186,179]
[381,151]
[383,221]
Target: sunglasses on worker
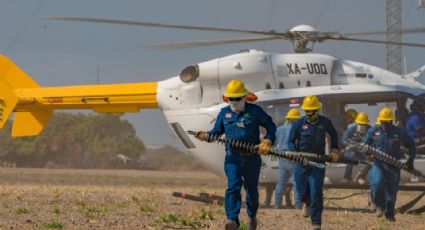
[309,112]
[235,98]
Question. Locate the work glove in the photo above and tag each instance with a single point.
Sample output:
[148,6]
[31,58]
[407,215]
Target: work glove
[201,135]
[363,148]
[264,147]
[409,164]
[335,155]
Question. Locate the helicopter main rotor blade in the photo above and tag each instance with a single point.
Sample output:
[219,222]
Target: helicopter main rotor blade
[161,25]
[378,32]
[379,42]
[180,45]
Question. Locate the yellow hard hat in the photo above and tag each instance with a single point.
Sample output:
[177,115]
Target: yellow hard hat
[293,114]
[352,113]
[377,122]
[362,119]
[236,88]
[311,103]
[386,114]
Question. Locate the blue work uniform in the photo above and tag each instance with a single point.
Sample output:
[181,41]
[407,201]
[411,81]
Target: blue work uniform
[414,122]
[384,178]
[286,168]
[310,137]
[242,169]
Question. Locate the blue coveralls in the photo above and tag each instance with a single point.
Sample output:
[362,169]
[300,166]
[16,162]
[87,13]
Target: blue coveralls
[286,168]
[415,121]
[353,134]
[384,178]
[242,170]
[307,137]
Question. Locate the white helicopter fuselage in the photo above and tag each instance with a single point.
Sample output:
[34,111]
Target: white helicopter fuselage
[280,81]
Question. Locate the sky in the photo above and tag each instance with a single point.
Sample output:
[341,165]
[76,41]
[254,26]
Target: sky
[57,53]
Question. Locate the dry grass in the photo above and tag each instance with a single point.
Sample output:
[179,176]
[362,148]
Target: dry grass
[107,199]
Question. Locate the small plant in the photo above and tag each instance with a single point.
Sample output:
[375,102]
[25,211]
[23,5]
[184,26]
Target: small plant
[53,225]
[178,219]
[146,208]
[94,213]
[177,202]
[56,210]
[135,199]
[243,226]
[206,215]
[169,218]
[123,204]
[21,211]
[82,204]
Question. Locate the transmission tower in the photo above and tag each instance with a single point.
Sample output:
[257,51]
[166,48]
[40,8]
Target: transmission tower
[394,35]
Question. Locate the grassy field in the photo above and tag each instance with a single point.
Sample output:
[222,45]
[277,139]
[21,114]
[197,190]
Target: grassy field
[112,199]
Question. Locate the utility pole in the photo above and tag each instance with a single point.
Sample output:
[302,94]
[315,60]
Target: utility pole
[394,35]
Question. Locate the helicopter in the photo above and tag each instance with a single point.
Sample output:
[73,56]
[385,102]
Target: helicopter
[192,99]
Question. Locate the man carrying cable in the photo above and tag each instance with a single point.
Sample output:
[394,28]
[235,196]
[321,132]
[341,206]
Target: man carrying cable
[241,121]
[308,135]
[356,132]
[384,178]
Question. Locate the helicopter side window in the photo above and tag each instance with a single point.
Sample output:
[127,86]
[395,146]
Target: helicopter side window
[277,110]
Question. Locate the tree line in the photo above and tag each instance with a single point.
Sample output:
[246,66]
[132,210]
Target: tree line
[74,141]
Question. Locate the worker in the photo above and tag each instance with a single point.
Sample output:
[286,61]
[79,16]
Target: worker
[308,135]
[241,121]
[384,178]
[286,168]
[356,132]
[342,121]
[415,125]
[351,115]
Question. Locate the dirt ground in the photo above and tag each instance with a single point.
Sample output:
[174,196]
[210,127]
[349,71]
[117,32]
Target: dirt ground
[122,199]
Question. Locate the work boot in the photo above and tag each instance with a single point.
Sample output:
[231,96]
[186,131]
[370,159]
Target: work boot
[379,212]
[390,218]
[252,223]
[316,227]
[361,181]
[306,210]
[231,225]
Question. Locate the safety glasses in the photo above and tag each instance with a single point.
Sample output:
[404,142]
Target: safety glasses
[310,112]
[235,98]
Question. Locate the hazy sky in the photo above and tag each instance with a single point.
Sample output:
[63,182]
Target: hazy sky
[68,53]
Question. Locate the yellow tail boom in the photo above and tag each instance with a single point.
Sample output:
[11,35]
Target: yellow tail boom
[34,105]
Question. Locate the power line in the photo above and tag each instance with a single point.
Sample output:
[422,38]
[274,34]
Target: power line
[271,15]
[408,11]
[21,31]
[269,19]
[321,13]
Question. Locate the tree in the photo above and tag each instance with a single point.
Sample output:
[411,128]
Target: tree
[75,140]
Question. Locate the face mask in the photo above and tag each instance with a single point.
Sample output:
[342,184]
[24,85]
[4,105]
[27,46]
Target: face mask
[237,106]
[362,129]
[311,115]
[386,125]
